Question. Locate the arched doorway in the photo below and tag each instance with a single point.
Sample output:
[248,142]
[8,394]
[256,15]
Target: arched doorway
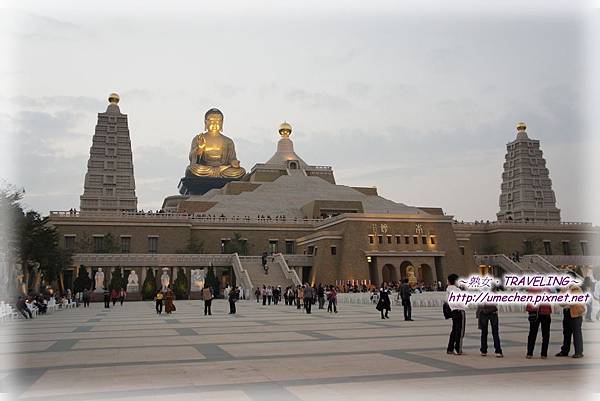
[388,273]
[425,275]
[403,267]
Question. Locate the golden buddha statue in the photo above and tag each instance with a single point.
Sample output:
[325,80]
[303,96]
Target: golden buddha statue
[212,153]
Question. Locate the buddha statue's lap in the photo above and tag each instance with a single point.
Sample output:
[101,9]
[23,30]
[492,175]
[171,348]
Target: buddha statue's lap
[212,154]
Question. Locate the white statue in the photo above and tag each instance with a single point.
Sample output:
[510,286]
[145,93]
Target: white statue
[133,278]
[198,276]
[164,279]
[132,282]
[99,278]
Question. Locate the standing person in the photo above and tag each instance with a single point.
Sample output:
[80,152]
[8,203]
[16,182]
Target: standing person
[459,319]
[122,295]
[588,286]
[207,296]
[572,321]
[299,296]
[291,295]
[106,298]
[276,294]
[321,296]
[114,295]
[159,302]
[86,298]
[309,296]
[384,303]
[540,315]
[488,313]
[405,297]
[263,293]
[332,298]
[285,295]
[233,298]
[269,294]
[169,305]
[257,294]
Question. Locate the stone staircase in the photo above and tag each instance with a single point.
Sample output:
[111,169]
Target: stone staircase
[258,278]
[501,260]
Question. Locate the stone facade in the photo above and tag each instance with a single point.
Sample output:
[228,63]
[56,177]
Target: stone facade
[526,193]
[109,183]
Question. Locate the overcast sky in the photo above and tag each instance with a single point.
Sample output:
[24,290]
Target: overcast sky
[419,102]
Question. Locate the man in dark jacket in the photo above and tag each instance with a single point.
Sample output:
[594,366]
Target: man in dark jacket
[234,296]
[405,297]
[309,296]
[488,313]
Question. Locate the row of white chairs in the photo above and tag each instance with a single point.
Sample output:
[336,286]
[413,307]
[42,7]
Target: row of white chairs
[8,312]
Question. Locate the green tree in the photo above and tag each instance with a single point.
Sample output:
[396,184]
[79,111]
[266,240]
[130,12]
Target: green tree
[211,280]
[111,245]
[82,281]
[116,280]
[180,286]
[149,286]
[192,246]
[237,245]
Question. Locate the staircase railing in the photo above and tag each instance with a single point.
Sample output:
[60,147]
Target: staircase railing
[543,264]
[242,275]
[500,260]
[289,273]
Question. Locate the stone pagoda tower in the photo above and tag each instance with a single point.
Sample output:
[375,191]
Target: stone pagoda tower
[109,183]
[526,192]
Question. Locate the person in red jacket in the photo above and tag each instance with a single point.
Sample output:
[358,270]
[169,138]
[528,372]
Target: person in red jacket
[114,295]
[538,315]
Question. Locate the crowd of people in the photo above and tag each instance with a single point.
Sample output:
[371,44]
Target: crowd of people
[300,296]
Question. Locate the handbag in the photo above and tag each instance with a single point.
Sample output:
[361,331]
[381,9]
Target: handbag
[379,306]
[446,311]
[533,316]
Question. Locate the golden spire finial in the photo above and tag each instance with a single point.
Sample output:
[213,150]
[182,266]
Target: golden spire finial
[113,98]
[521,126]
[285,129]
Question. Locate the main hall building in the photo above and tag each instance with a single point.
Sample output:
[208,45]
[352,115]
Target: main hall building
[316,230]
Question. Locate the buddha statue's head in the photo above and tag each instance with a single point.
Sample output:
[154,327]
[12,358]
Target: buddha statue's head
[213,120]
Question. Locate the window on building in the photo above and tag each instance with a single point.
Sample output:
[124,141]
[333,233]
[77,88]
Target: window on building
[424,240]
[273,246]
[69,242]
[566,248]
[415,240]
[311,250]
[583,245]
[98,243]
[334,250]
[371,239]
[462,250]
[398,240]
[548,247]
[289,247]
[406,240]
[125,244]
[528,247]
[389,239]
[380,239]
[152,244]
[432,239]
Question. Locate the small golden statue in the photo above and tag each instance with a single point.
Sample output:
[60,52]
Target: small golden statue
[212,153]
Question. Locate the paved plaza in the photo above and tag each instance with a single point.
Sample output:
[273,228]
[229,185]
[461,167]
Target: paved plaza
[278,353]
